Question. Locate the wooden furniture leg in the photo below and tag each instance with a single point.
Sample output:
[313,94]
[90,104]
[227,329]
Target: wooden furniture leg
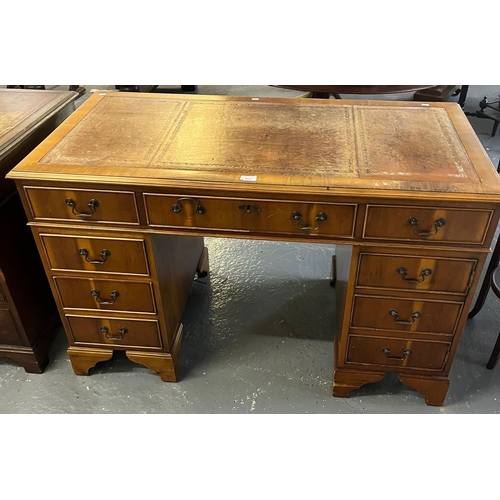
[333,279]
[84,358]
[494,355]
[165,364]
[203,264]
[432,388]
[345,381]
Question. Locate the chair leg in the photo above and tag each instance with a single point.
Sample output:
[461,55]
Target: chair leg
[494,355]
[485,287]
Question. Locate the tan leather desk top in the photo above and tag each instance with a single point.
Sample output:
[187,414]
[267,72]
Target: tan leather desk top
[245,144]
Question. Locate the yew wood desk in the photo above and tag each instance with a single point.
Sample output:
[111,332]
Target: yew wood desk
[27,309]
[120,197]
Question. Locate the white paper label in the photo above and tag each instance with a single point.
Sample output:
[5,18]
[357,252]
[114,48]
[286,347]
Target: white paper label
[248,178]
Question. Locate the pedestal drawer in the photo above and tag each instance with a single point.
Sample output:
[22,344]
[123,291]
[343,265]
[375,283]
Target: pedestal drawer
[108,295]
[326,219]
[116,332]
[398,353]
[96,255]
[417,273]
[448,225]
[76,204]
[410,315]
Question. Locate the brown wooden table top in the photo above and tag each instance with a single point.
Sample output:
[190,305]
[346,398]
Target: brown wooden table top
[376,148]
[22,110]
[356,89]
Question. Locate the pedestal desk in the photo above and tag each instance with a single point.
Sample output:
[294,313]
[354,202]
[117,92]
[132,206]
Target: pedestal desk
[27,308]
[120,196]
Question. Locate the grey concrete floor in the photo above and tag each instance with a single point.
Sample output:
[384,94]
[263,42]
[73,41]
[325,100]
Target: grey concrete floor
[258,337]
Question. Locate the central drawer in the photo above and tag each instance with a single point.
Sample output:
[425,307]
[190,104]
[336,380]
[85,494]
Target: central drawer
[259,216]
[408,315]
[107,295]
[96,255]
[116,332]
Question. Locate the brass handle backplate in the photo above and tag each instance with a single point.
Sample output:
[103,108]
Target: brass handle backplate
[395,314]
[423,274]
[92,204]
[177,207]
[113,296]
[413,222]
[321,217]
[104,256]
[121,333]
[387,353]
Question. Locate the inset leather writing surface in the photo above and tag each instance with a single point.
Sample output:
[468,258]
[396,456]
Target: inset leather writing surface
[270,138]
[413,143]
[118,132]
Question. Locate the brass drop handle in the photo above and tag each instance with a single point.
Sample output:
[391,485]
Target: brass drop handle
[104,255]
[177,207]
[425,272]
[413,221]
[395,314]
[321,217]
[121,333]
[92,204]
[387,353]
[113,296]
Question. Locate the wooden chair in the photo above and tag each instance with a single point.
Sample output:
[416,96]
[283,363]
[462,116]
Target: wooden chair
[491,280]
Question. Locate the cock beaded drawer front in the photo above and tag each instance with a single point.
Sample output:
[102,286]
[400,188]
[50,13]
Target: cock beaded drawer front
[405,188]
[428,225]
[334,220]
[420,271]
[97,294]
[63,204]
[87,253]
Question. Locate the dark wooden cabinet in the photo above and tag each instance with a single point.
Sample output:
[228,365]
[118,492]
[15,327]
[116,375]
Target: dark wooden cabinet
[27,308]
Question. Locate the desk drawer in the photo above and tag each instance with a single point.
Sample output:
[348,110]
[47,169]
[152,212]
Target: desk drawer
[426,224]
[259,216]
[398,353]
[106,295]
[407,315]
[96,255]
[115,332]
[76,204]
[415,273]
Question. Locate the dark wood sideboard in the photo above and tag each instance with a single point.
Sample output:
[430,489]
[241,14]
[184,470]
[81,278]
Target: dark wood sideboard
[27,307]
[120,196]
